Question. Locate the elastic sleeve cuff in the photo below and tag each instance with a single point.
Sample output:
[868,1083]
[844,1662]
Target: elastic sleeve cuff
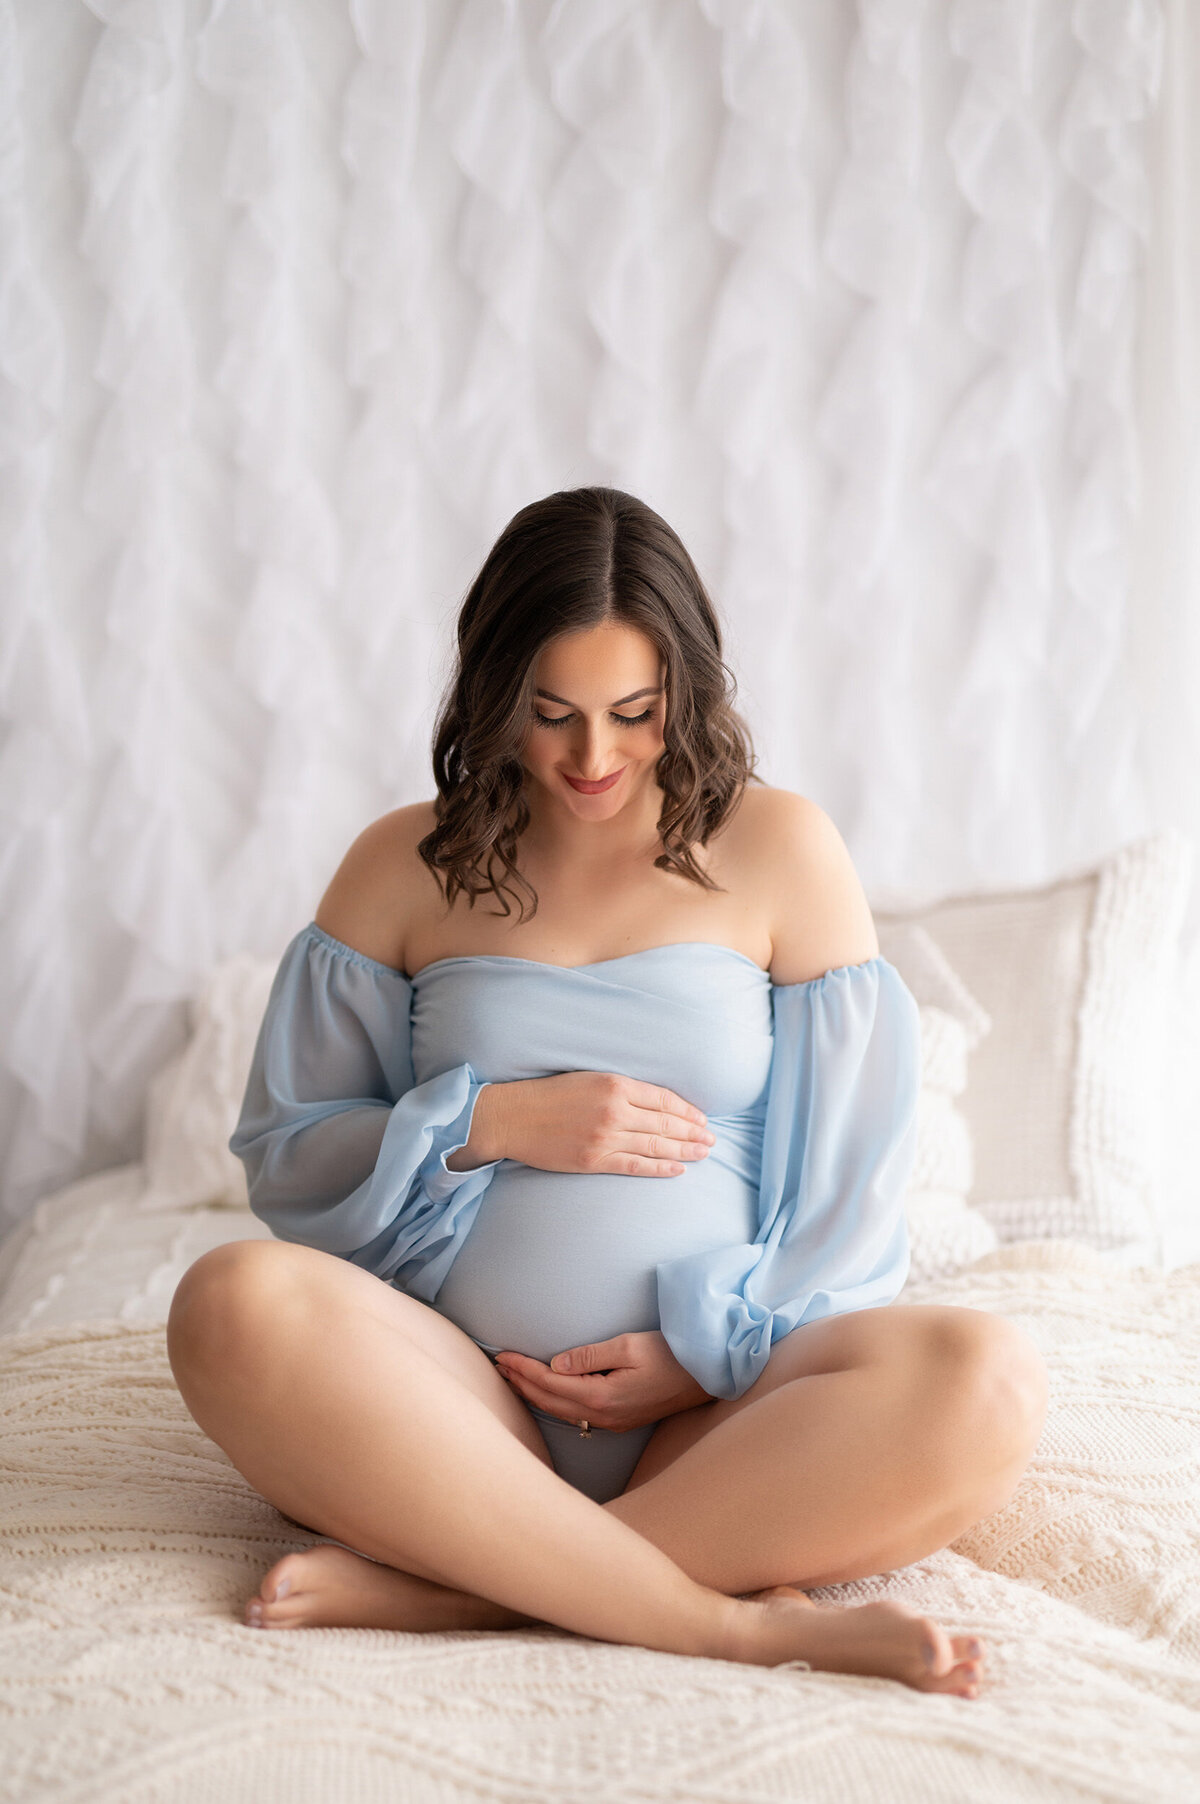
[437,1180]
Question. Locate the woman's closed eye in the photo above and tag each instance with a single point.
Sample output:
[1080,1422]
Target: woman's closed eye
[560,720]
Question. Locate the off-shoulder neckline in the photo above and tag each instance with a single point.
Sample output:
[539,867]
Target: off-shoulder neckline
[505,958]
[597,964]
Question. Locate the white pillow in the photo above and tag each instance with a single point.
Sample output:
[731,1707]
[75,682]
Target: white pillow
[1064,1099]
[193,1104]
[945,1233]
[1179,1211]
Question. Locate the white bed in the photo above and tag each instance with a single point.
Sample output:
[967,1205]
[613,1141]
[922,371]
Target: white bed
[1059,1050]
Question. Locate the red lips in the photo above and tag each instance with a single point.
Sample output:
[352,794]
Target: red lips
[593,789]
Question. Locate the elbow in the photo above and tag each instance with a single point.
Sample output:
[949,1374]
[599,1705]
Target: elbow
[266,1198]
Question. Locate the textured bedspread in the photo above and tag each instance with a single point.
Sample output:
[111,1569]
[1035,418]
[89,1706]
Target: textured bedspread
[128,1543]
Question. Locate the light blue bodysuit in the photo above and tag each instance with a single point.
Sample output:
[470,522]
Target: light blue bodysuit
[364,1080]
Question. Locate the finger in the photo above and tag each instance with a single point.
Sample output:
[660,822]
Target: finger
[654,1155]
[596,1356]
[669,1145]
[524,1362]
[680,1130]
[581,1394]
[666,1103]
[562,1407]
[633,1165]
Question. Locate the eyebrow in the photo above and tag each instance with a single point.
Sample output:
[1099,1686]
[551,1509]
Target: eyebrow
[547,696]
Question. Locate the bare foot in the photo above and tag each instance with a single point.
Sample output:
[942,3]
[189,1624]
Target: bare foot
[332,1588]
[883,1640]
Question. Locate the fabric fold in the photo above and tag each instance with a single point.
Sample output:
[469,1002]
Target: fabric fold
[839,1143]
[343,1150]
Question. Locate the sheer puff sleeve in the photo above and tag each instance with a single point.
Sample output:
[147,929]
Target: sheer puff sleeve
[343,1149]
[839,1144]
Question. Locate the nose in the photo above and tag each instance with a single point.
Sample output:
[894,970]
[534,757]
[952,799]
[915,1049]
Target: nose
[593,748]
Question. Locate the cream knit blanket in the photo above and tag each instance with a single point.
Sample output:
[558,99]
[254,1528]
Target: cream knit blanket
[128,1543]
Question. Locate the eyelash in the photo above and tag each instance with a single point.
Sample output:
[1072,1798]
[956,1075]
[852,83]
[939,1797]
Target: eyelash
[626,720]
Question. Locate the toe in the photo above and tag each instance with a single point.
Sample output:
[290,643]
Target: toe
[963,1677]
[281,1582]
[937,1649]
[282,1578]
[287,1615]
[969,1663]
[961,1682]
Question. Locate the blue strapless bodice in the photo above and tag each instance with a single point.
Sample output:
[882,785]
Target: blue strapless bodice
[554,1259]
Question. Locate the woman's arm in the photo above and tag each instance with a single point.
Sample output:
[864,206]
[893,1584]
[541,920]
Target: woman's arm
[839,1136]
[820,917]
[343,1150]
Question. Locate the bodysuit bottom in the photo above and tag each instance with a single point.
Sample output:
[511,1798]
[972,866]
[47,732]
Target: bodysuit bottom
[601,1463]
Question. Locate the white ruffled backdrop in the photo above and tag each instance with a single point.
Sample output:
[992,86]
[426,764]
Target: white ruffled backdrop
[890,309]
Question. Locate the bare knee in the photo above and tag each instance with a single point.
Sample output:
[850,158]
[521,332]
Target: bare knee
[999,1375]
[229,1303]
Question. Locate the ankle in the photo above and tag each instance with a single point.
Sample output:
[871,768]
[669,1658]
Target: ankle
[731,1631]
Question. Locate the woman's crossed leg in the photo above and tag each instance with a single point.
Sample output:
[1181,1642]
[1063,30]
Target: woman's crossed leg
[370,1417]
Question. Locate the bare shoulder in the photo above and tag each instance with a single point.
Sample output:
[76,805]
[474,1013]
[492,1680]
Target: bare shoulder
[820,915]
[380,884]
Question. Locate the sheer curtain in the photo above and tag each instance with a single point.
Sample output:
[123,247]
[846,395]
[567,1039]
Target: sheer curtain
[1164,603]
[887,307]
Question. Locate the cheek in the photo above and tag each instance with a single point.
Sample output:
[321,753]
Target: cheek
[535,750]
[541,753]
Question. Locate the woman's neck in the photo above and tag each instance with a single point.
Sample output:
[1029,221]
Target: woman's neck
[557,840]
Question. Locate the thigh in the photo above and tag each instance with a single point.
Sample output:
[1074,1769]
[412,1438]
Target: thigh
[897,1337]
[224,1304]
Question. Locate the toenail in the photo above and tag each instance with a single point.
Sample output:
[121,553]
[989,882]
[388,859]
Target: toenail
[930,1653]
[974,1649]
[255,1612]
[282,1588]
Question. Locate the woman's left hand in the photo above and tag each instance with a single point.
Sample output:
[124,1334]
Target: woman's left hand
[620,1383]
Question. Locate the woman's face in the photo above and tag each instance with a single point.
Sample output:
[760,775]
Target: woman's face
[598,712]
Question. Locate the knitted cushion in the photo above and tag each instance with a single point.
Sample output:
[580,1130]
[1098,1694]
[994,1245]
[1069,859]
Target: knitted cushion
[1064,1098]
[945,1233]
[193,1104]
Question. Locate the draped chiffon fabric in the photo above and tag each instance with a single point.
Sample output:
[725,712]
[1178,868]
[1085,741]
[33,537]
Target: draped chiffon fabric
[364,1081]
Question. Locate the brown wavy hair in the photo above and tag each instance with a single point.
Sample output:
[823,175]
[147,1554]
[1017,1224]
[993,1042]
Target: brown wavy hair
[576,559]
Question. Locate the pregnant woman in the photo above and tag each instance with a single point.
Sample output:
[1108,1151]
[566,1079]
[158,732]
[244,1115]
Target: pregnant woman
[589,1210]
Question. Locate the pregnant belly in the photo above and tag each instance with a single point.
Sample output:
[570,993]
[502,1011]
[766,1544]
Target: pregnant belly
[555,1259]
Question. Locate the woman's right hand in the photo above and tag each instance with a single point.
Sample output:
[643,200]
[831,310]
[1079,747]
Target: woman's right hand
[594,1121]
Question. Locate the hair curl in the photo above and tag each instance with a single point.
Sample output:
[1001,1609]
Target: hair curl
[564,564]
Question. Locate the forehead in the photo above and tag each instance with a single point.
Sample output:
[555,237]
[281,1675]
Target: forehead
[597,656]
